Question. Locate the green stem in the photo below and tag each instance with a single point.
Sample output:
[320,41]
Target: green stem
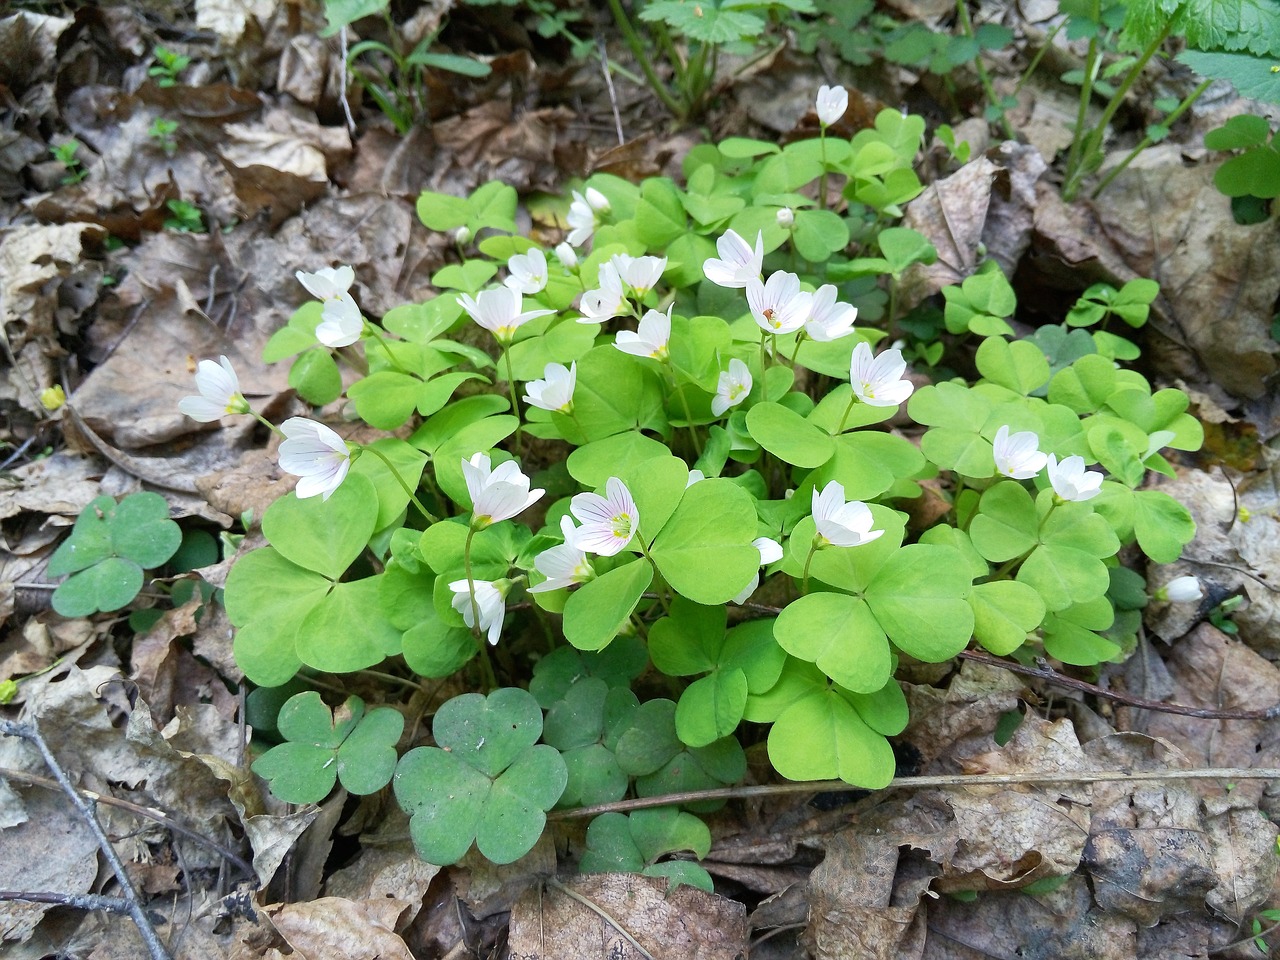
[403,484]
[845,419]
[1035,61]
[688,416]
[962,13]
[763,335]
[822,180]
[1146,141]
[893,307]
[800,337]
[642,58]
[804,582]
[376,335]
[1086,94]
[266,423]
[486,663]
[662,594]
[511,389]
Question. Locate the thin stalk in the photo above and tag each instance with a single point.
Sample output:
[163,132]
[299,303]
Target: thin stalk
[403,484]
[1035,61]
[642,57]
[376,335]
[661,594]
[511,389]
[688,416]
[845,419]
[892,315]
[1147,141]
[822,180]
[1086,94]
[486,663]
[962,13]
[804,581]
[800,338]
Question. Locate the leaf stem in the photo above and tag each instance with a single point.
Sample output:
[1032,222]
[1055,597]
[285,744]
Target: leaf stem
[1146,142]
[804,582]
[401,480]
[642,58]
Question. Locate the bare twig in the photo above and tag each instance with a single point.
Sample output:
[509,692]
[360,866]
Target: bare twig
[133,907]
[342,96]
[1048,674]
[608,83]
[150,813]
[80,901]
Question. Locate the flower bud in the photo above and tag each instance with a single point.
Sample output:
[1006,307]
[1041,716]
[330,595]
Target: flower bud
[567,256]
[1183,590]
[786,218]
[462,236]
[51,398]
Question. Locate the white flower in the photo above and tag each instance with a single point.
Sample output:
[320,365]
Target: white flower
[498,494]
[1181,590]
[878,381]
[832,103]
[582,215]
[316,454]
[1071,481]
[778,305]
[841,524]
[639,273]
[786,218]
[327,282]
[608,522]
[694,476]
[498,311]
[770,552]
[555,391]
[828,319]
[732,388]
[566,255]
[219,393]
[605,301]
[462,236]
[652,338]
[738,264]
[1018,456]
[340,322]
[563,565]
[528,272]
[490,602]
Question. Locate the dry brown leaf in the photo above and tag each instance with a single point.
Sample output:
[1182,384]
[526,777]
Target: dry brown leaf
[228,18]
[685,923]
[393,870]
[29,47]
[332,928]
[958,721]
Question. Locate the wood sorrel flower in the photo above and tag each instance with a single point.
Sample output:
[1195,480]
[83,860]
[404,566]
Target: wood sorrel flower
[651,339]
[605,301]
[219,393]
[564,564]
[496,495]
[878,381]
[770,552]
[829,320]
[608,522]
[1181,590]
[498,311]
[831,104]
[641,274]
[490,602]
[528,272]
[739,264]
[316,454]
[567,256]
[1017,456]
[555,391]
[841,524]
[1071,481]
[582,215]
[327,282]
[341,322]
[732,388]
[778,305]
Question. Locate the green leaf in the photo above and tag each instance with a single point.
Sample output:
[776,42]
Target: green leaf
[347,630]
[1004,613]
[298,335]
[656,484]
[615,393]
[594,463]
[324,535]
[1064,575]
[704,22]
[789,436]
[919,596]
[316,378]
[90,540]
[1070,636]
[106,586]
[596,611]
[902,246]
[705,550]
[386,399]
[689,639]
[660,217]
[821,737]
[712,707]
[343,13]
[1006,525]
[1163,526]
[818,234]
[1019,365]
[1251,76]
[839,634]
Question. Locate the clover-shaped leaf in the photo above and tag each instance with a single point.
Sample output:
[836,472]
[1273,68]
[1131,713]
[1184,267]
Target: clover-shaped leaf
[621,843]
[323,747]
[585,727]
[110,546]
[489,781]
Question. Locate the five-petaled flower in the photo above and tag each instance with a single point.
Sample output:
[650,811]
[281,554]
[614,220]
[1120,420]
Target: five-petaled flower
[652,339]
[608,522]
[528,272]
[555,391]
[582,215]
[327,282]
[219,393]
[841,524]
[488,599]
[496,495]
[770,552]
[641,274]
[829,319]
[498,311]
[739,262]
[778,305]
[831,104]
[341,322]
[878,381]
[1071,481]
[1017,455]
[564,564]
[605,301]
[732,388]
[316,454]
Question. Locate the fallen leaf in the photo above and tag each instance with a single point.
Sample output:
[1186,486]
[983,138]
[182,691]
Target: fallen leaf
[331,928]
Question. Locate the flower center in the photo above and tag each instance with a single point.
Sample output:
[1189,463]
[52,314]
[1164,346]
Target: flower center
[622,526]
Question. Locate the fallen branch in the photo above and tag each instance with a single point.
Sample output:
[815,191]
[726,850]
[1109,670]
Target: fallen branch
[132,906]
[80,901]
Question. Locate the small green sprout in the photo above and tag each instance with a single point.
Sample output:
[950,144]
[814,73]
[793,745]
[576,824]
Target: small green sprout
[65,154]
[185,217]
[167,66]
[163,131]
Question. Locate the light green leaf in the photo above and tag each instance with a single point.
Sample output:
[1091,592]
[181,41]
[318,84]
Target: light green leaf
[1004,612]
[324,535]
[596,611]
[839,634]
[789,436]
[705,550]
[821,737]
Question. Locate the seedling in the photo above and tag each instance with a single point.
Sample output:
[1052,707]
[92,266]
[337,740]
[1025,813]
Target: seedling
[163,131]
[184,217]
[65,154]
[168,66]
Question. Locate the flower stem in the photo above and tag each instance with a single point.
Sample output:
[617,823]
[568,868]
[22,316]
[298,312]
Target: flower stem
[642,58]
[403,484]
[822,180]
[845,419]
[800,338]
[375,334]
[804,580]
[662,594]
[266,423]
[511,389]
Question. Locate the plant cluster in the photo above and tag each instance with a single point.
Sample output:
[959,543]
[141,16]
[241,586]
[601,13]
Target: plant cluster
[168,66]
[667,502]
[65,154]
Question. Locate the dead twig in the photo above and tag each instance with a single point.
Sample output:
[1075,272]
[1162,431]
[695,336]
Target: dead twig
[132,906]
[80,901]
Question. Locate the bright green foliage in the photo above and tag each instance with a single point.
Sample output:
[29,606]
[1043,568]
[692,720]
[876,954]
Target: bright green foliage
[1256,171]
[1251,76]
[184,217]
[489,781]
[633,843]
[167,66]
[323,747]
[981,304]
[110,546]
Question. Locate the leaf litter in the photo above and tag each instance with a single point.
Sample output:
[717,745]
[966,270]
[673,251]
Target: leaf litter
[1074,868]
